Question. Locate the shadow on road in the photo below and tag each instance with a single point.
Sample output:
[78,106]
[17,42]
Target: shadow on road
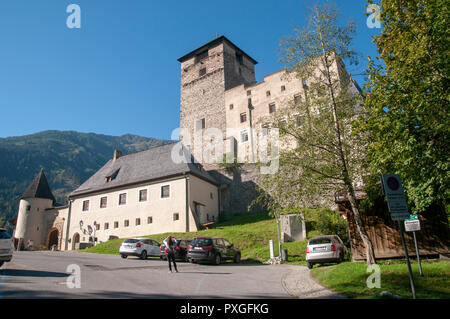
[31,273]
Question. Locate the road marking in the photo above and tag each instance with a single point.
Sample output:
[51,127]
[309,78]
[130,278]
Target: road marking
[200,283]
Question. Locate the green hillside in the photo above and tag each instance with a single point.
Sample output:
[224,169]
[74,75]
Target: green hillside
[67,157]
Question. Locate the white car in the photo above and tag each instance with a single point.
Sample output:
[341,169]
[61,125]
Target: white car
[140,247]
[325,249]
[6,246]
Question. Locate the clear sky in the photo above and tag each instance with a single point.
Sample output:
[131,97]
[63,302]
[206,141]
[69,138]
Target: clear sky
[119,72]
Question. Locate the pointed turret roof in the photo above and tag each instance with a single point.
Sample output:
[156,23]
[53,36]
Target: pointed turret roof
[39,188]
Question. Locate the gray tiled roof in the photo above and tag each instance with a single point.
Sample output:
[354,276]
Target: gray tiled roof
[152,164]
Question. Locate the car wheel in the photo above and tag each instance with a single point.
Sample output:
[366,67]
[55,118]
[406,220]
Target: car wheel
[144,255]
[217,259]
[192,261]
[123,256]
[237,258]
[310,265]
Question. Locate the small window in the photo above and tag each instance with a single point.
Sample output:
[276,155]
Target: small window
[106,226]
[267,93]
[231,106]
[103,202]
[116,224]
[283,88]
[85,206]
[244,136]
[143,195]
[297,99]
[243,117]
[165,191]
[138,221]
[122,199]
[202,72]
[126,223]
[272,108]
[249,92]
[97,226]
[176,216]
[28,207]
[203,123]
[202,55]
[211,195]
[149,220]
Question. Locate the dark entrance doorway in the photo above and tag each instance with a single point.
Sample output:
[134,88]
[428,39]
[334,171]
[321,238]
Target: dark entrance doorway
[53,239]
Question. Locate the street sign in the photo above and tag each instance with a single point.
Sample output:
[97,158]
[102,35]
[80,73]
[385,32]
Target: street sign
[395,196]
[412,224]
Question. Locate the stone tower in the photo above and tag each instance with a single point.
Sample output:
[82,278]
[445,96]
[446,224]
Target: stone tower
[206,73]
[31,225]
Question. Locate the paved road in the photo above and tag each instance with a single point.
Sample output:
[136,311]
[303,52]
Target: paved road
[45,275]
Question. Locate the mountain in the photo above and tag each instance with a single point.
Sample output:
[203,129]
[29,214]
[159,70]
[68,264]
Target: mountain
[68,158]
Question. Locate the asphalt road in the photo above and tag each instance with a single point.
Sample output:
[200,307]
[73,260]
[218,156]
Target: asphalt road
[52,275]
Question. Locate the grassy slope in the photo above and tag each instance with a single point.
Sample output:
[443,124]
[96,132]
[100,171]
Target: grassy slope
[350,278]
[250,233]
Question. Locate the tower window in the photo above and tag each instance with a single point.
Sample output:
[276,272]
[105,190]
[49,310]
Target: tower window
[201,56]
[231,106]
[243,117]
[28,207]
[272,108]
[267,93]
[249,92]
[283,88]
[202,72]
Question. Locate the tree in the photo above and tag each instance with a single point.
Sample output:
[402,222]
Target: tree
[407,101]
[319,152]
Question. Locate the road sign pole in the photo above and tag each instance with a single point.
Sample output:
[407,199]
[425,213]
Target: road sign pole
[417,254]
[411,278]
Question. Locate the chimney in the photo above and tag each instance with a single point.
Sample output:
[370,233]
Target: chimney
[117,154]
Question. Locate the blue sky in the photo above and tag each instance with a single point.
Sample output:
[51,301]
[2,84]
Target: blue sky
[119,72]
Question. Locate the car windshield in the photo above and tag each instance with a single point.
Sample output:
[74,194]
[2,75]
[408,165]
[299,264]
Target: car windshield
[202,242]
[320,241]
[4,235]
[131,241]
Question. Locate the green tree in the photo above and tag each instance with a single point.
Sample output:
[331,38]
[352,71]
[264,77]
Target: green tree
[407,103]
[323,155]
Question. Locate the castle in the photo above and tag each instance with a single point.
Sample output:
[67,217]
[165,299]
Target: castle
[147,192]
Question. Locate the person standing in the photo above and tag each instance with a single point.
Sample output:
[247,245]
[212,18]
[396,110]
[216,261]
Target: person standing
[171,243]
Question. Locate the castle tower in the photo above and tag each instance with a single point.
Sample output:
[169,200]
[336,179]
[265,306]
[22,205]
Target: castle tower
[206,73]
[33,204]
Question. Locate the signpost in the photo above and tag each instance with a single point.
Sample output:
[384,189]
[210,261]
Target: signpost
[398,208]
[412,225]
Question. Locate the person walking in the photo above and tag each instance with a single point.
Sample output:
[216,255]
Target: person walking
[171,243]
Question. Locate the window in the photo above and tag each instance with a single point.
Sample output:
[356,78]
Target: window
[202,72]
[243,117]
[239,58]
[116,224]
[138,221]
[176,216]
[143,195]
[28,207]
[297,99]
[283,88]
[202,55]
[244,136]
[231,106]
[249,92]
[97,226]
[106,226]
[165,191]
[199,124]
[267,93]
[272,108]
[122,199]
[126,223]
[112,175]
[85,205]
[203,123]
[211,195]
[149,220]
[103,202]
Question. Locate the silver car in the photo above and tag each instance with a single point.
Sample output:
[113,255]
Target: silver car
[325,249]
[140,247]
[6,246]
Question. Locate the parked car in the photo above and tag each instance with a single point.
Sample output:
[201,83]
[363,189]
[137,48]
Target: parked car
[213,250]
[6,246]
[180,250]
[140,247]
[325,249]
